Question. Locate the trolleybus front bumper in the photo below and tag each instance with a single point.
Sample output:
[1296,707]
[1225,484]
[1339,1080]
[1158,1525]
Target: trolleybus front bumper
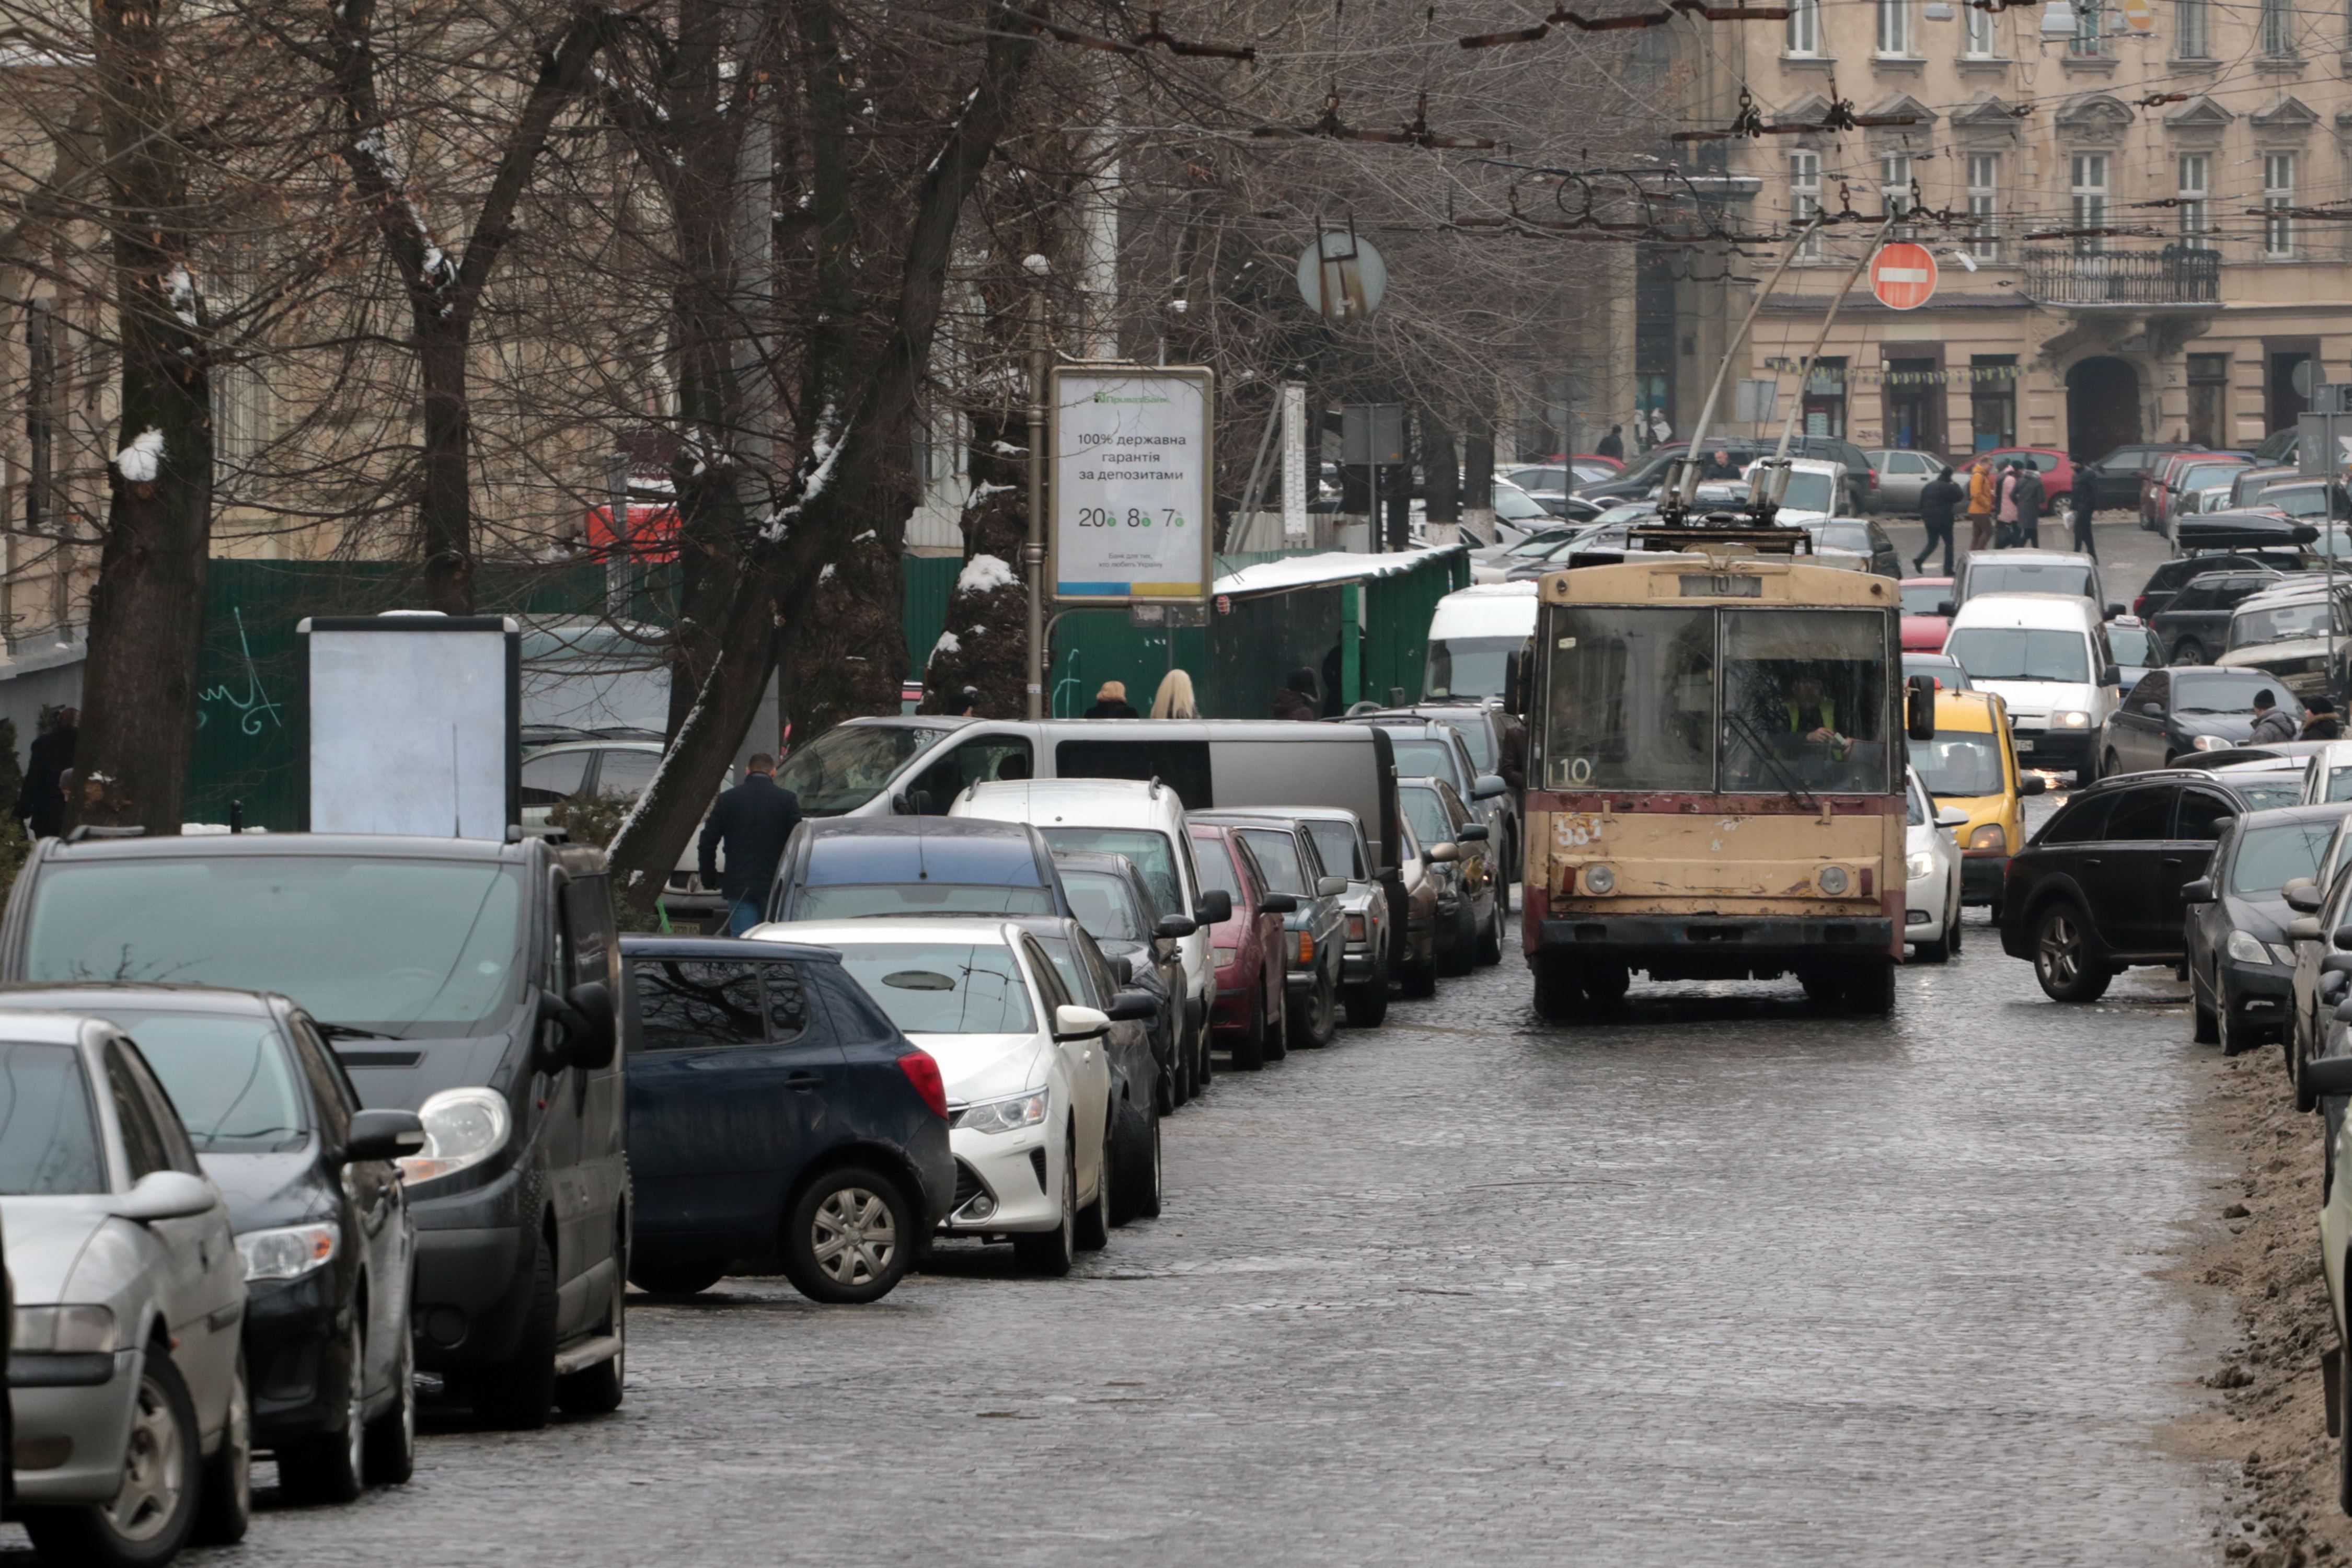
[1725,946]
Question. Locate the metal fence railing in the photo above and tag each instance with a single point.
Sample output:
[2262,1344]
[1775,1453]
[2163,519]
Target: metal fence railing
[2175,275]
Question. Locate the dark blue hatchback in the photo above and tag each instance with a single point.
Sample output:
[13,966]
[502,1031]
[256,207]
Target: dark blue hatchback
[776,1117]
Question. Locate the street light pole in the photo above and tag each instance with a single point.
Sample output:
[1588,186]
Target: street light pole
[1034,553]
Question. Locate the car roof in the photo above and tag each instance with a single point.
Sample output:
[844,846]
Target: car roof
[913,828]
[1293,813]
[2114,781]
[208,846]
[152,995]
[43,1026]
[795,934]
[2279,816]
[1105,802]
[2026,612]
[719,947]
[1977,705]
[1097,860]
[2033,557]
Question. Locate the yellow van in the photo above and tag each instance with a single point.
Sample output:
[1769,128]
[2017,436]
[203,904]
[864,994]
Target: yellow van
[1972,764]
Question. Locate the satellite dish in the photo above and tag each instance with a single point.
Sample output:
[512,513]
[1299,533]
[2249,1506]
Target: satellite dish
[1341,276]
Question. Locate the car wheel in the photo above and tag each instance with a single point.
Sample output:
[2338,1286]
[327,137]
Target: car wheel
[1559,990]
[1136,1141]
[1604,984]
[1490,942]
[1047,1253]
[1093,1229]
[2061,956]
[1420,980]
[1182,1090]
[1248,1049]
[1280,1034]
[328,1467]
[1164,1082]
[391,1455]
[152,1512]
[1204,1071]
[1314,1026]
[2110,765]
[2230,1037]
[675,1279]
[850,1238]
[2204,1029]
[224,1510]
[1368,1004]
[2343,1431]
[2189,651]
[1823,989]
[1455,958]
[520,1395]
[1937,951]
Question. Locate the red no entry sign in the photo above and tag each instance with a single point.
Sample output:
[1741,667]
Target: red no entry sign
[1903,276]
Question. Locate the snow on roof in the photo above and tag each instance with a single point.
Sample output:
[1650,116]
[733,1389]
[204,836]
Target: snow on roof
[1331,566]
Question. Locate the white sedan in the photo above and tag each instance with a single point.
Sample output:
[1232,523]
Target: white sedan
[1027,1076]
[1931,902]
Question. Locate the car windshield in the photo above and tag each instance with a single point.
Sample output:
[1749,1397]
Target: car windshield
[850,875]
[1468,666]
[2339,783]
[2268,858]
[2134,646]
[422,948]
[1427,815]
[1153,853]
[1998,576]
[2014,653]
[1539,540]
[1277,856]
[1815,493]
[1963,763]
[1475,736]
[1925,598]
[2198,476]
[943,988]
[2297,501]
[1518,506]
[2217,693]
[1947,674]
[1216,864]
[2278,622]
[229,1076]
[1427,758]
[1337,845]
[843,768]
[48,1130]
[1075,979]
[1104,905]
[2261,796]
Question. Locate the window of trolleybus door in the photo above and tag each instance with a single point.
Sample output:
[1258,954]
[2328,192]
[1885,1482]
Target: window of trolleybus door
[1714,700]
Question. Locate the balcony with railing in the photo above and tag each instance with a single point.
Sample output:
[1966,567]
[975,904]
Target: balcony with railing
[2176,276]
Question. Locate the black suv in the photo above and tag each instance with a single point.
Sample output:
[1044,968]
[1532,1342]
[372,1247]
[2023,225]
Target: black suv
[2098,889]
[2115,478]
[2164,583]
[2195,627]
[471,982]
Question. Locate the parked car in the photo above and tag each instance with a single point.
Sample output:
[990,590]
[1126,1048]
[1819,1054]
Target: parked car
[852,868]
[2247,485]
[1313,929]
[1641,478]
[2034,572]
[1971,767]
[317,1206]
[1860,538]
[2195,627]
[2174,714]
[2164,583]
[2057,470]
[1249,1018]
[1133,1158]
[1492,562]
[2330,1079]
[1027,1077]
[133,1414]
[1469,896]
[2322,906]
[2046,656]
[2098,889]
[615,769]
[2115,478]
[2263,783]
[1932,870]
[1940,667]
[2298,631]
[2184,478]
[2327,774]
[776,1119]
[1114,904]
[2133,644]
[1927,606]
[2241,965]
[1414,958]
[1431,748]
[2304,501]
[1903,475]
[1363,908]
[464,980]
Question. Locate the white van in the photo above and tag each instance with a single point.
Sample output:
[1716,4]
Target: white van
[2046,656]
[1146,823]
[1472,633]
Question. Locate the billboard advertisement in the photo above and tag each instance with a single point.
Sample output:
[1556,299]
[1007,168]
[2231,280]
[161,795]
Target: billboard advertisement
[1131,512]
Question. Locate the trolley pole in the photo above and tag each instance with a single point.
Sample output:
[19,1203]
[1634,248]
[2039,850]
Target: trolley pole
[1685,488]
[1034,553]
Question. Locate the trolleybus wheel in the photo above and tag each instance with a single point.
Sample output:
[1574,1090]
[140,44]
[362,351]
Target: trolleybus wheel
[1870,989]
[1605,984]
[1559,990]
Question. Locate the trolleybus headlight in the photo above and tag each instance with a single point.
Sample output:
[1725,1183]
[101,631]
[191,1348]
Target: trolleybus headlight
[1833,881]
[1599,879]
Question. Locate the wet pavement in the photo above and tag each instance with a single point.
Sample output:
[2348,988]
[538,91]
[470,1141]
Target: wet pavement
[1720,1280]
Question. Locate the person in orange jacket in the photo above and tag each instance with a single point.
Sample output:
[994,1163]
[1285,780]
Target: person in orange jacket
[1980,505]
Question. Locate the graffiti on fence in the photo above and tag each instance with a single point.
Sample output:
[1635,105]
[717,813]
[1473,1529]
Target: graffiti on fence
[253,705]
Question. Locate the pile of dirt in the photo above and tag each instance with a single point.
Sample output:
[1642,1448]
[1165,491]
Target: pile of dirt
[2270,1422]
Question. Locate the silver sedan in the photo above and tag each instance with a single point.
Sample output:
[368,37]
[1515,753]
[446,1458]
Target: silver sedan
[1902,475]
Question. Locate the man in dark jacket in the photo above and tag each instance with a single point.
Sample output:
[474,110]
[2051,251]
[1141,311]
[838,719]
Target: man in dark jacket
[41,803]
[2320,722]
[751,821]
[1298,698]
[1939,505]
[2079,504]
[2272,725]
[2029,499]
[1613,444]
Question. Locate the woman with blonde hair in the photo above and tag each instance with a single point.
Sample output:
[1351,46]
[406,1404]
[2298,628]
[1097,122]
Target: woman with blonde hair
[1175,698]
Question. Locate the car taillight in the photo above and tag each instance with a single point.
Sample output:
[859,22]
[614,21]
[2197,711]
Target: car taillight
[1306,947]
[1357,929]
[2140,607]
[922,1071]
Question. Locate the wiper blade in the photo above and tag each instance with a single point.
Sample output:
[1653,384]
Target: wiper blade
[1746,731]
[351,1032]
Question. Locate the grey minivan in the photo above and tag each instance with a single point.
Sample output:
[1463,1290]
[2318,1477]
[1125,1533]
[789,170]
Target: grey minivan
[471,982]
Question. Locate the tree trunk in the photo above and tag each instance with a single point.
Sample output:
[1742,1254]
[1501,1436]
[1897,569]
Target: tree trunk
[146,619]
[444,505]
[1439,478]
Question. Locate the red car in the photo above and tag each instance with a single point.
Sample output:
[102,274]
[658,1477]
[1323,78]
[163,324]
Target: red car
[1925,623]
[1247,1017]
[2057,472]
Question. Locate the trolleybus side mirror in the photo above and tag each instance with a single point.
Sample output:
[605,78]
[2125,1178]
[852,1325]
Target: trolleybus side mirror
[1515,681]
[1919,707]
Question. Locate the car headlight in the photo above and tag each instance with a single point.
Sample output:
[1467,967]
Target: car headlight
[64,1331]
[463,1127]
[1989,835]
[2242,947]
[2076,720]
[2210,743]
[1599,879]
[1833,881]
[1003,1115]
[1921,863]
[289,1252]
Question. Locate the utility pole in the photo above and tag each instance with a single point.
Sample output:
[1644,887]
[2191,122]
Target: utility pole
[1033,552]
[620,563]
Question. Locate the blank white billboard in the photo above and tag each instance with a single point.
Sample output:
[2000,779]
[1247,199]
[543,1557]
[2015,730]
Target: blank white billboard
[412,725]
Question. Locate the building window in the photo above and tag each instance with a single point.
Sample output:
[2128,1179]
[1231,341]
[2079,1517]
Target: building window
[1984,205]
[1805,27]
[2189,40]
[1805,198]
[1894,27]
[1981,43]
[2277,30]
[2090,194]
[2090,28]
[1824,397]
[1992,400]
[2195,196]
[2278,195]
[1895,189]
[2209,396]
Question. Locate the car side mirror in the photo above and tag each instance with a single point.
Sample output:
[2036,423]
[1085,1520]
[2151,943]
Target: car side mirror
[1331,887]
[1487,786]
[2032,784]
[2304,897]
[2199,891]
[2152,708]
[2342,940]
[1952,816]
[584,1015]
[1279,904]
[2220,825]
[2112,611]
[1947,609]
[1122,969]
[1173,926]
[2329,985]
[2111,676]
[1388,875]
[1216,907]
[166,1195]
[1132,1004]
[2324,1076]
[1919,707]
[2336,963]
[1072,1022]
[382,1135]
[1471,833]
[2304,930]
[1442,853]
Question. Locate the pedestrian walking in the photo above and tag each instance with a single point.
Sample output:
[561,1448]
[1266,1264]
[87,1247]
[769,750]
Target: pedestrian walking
[2031,498]
[751,822]
[1613,444]
[1981,502]
[1110,702]
[2080,500]
[1940,502]
[2271,724]
[1659,431]
[41,800]
[1297,698]
[2320,722]
[2005,536]
[1175,698]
